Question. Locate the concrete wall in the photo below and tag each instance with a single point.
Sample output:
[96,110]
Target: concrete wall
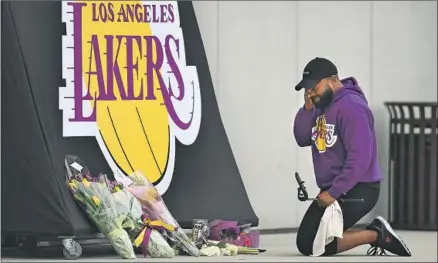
[256,53]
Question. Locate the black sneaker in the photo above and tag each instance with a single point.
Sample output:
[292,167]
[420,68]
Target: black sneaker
[387,240]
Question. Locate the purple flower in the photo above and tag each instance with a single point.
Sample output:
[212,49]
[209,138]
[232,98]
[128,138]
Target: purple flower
[72,188]
[89,177]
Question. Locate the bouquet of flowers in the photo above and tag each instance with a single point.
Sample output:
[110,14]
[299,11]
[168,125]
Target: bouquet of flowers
[141,230]
[93,195]
[126,204]
[98,203]
[154,206]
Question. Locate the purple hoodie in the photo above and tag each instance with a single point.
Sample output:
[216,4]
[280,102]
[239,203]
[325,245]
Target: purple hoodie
[345,149]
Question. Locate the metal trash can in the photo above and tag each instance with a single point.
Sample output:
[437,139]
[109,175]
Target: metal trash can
[413,165]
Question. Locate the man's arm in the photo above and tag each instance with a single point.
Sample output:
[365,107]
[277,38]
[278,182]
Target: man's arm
[304,120]
[356,135]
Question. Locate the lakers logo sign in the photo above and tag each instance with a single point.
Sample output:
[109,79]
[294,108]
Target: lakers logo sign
[323,134]
[128,84]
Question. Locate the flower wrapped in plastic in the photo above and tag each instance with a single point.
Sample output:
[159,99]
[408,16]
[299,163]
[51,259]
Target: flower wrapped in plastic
[94,196]
[142,231]
[154,206]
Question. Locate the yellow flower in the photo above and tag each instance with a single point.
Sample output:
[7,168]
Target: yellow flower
[86,183]
[96,200]
[73,185]
[152,192]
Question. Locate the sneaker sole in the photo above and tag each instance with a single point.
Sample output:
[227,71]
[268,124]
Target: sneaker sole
[389,228]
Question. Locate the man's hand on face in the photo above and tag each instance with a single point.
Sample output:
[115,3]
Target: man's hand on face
[325,199]
[308,103]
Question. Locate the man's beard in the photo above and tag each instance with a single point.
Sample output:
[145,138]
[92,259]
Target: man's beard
[323,100]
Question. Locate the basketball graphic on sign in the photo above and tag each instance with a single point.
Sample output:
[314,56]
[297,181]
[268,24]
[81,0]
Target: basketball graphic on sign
[128,84]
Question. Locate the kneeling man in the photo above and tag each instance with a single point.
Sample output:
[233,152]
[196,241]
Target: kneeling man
[338,125]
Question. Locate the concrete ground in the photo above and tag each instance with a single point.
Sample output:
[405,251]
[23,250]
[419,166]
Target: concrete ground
[280,248]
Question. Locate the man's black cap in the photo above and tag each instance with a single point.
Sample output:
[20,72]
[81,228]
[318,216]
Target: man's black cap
[315,70]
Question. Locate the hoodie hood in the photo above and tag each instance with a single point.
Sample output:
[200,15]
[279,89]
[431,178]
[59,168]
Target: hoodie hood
[350,87]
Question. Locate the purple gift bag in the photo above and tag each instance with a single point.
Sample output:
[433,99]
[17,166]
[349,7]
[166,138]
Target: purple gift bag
[230,232]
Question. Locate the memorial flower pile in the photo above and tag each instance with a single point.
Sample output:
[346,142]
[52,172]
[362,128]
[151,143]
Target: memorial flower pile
[131,213]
